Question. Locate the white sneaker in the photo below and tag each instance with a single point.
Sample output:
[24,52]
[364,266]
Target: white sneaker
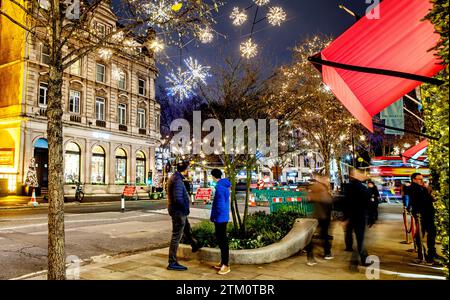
[224,270]
[328,257]
[311,263]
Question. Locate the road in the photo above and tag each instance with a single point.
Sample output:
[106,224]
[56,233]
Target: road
[91,230]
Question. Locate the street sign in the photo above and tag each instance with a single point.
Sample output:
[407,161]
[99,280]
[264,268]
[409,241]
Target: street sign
[129,191]
[203,194]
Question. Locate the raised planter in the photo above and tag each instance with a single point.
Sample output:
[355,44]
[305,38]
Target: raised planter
[297,239]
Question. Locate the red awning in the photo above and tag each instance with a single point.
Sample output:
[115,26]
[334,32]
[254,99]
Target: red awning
[397,41]
[415,151]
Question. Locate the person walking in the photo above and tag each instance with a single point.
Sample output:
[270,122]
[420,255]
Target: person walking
[178,207]
[374,199]
[220,215]
[321,199]
[421,207]
[357,215]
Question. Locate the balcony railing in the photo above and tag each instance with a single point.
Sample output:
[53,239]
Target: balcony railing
[75,118]
[43,112]
[100,123]
[142,131]
[123,127]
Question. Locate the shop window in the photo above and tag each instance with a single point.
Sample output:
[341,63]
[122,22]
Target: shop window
[72,163]
[98,165]
[140,167]
[121,167]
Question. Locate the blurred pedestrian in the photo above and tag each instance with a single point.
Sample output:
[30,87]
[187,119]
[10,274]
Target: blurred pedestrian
[421,206]
[357,215]
[321,199]
[374,200]
[178,207]
[405,193]
[220,215]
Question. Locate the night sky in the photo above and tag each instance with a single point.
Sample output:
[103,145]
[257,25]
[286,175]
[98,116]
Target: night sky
[304,18]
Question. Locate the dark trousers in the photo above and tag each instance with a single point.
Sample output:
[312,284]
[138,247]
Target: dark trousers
[357,227]
[324,226]
[222,239]
[429,228]
[180,226]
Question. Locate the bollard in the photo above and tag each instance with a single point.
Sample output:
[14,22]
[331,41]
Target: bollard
[122,203]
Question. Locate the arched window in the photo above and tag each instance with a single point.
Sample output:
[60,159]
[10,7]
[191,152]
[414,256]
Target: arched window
[98,165]
[72,163]
[121,166]
[140,167]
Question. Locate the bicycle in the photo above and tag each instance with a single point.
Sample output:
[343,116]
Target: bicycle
[79,194]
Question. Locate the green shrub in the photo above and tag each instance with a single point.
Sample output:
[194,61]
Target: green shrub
[261,230]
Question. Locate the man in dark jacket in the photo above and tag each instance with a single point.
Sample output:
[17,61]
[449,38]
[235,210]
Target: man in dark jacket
[357,214]
[178,207]
[220,215]
[421,204]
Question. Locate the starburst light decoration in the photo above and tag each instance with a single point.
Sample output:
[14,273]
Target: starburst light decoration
[249,49]
[160,11]
[182,84]
[205,35]
[238,16]
[276,16]
[157,45]
[179,85]
[105,53]
[261,2]
[116,73]
[197,72]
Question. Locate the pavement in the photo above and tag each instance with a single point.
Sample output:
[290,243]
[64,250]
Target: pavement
[393,261]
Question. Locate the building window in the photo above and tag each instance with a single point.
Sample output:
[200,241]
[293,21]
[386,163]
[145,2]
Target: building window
[101,29]
[122,114]
[141,118]
[140,167]
[74,102]
[100,109]
[156,122]
[45,55]
[98,165]
[121,166]
[141,89]
[122,81]
[75,68]
[101,73]
[43,93]
[72,163]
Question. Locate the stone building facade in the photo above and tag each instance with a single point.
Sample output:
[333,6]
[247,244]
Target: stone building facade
[111,118]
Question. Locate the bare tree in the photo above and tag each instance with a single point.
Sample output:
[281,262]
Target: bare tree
[67,29]
[325,125]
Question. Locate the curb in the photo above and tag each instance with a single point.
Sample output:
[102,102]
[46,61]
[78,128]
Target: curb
[45,205]
[297,239]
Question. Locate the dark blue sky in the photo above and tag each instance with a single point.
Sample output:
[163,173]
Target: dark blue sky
[305,18]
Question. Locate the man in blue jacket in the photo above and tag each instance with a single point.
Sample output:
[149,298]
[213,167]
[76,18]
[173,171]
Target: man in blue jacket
[220,215]
[178,207]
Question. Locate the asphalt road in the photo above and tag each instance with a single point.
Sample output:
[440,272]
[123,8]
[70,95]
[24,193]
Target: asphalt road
[91,230]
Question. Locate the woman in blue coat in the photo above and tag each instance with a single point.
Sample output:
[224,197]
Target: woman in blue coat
[220,215]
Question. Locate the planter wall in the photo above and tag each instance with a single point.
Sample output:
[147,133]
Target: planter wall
[297,239]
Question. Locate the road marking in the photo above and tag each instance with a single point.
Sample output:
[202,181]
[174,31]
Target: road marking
[77,221]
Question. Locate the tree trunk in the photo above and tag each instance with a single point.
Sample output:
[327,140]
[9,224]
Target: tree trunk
[247,194]
[232,175]
[56,236]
